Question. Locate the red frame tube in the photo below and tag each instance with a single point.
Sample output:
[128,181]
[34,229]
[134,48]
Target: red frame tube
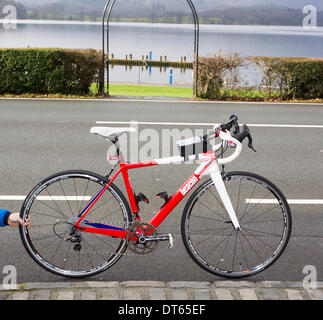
[160,215]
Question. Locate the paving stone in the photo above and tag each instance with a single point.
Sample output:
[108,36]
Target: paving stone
[131,294]
[88,295]
[189,284]
[202,294]
[41,295]
[271,284]
[293,284]
[248,294]
[96,284]
[315,294]
[65,295]
[143,284]
[3,295]
[47,285]
[280,284]
[270,294]
[179,294]
[22,295]
[234,284]
[156,294]
[293,294]
[109,294]
[223,294]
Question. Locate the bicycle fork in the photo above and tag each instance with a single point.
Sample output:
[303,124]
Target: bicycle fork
[223,193]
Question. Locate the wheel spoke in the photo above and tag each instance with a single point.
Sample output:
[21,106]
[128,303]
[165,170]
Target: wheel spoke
[251,246]
[260,240]
[217,214]
[259,202]
[68,203]
[260,215]
[59,210]
[212,219]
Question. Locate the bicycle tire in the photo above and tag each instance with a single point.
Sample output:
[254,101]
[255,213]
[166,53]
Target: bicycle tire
[216,228]
[52,217]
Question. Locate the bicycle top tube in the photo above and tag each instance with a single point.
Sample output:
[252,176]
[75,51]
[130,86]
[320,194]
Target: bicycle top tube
[222,132]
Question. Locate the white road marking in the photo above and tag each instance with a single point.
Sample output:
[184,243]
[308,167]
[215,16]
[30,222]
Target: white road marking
[290,201]
[208,124]
[46,198]
[87,198]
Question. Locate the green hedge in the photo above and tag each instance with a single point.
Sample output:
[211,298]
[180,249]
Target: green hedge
[296,78]
[48,71]
[283,78]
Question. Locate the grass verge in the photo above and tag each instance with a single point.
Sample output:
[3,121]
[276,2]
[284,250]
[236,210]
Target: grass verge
[146,91]
[239,94]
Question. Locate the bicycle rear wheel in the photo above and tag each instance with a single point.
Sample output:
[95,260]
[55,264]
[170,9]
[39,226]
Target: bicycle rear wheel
[54,205]
[264,217]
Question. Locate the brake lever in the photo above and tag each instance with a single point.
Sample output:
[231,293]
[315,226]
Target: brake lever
[234,119]
[250,142]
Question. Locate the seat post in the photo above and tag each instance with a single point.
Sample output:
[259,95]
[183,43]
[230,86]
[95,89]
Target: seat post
[115,141]
[117,145]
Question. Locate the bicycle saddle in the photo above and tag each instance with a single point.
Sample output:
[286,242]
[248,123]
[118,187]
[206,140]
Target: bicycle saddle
[111,133]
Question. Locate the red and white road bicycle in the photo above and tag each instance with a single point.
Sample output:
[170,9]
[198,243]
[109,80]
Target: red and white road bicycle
[235,224]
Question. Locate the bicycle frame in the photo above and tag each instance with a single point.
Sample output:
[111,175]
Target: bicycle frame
[209,165]
[207,162]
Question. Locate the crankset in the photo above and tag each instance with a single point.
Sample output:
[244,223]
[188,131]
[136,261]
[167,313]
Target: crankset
[143,238]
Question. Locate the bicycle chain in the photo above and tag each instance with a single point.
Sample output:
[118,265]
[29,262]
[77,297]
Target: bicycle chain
[132,225]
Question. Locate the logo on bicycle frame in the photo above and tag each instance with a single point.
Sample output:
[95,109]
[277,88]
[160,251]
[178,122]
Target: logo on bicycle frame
[189,185]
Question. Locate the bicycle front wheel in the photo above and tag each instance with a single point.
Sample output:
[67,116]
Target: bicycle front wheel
[54,206]
[264,217]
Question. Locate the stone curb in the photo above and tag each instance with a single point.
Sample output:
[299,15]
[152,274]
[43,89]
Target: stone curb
[158,290]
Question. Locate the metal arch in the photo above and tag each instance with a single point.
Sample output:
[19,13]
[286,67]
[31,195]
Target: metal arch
[105,62]
[106,70]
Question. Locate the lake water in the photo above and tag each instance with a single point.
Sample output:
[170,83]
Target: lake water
[169,40]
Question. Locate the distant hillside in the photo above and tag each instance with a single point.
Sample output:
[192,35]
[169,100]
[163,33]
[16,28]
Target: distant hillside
[36,3]
[98,4]
[246,12]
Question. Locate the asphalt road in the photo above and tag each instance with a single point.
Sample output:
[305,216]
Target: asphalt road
[40,137]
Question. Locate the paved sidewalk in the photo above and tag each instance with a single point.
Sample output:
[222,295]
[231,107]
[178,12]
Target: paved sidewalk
[156,290]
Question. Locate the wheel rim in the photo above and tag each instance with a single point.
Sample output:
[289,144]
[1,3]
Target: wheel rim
[263,217]
[53,207]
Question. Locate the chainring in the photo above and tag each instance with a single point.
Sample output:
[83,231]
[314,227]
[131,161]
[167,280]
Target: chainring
[137,235]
